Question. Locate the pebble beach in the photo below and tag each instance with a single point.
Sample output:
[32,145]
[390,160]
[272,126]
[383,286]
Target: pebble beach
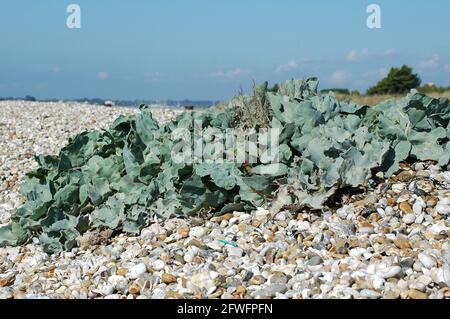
[390,241]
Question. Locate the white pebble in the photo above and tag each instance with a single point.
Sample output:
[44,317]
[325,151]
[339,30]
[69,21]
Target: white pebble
[137,270]
[158,264]
[235,251]
[409,219]
[443,276]
[427,260]
[417,207]
[386,272]
[197,232]
[443,207]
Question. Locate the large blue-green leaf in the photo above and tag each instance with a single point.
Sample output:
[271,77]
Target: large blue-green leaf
[123,177]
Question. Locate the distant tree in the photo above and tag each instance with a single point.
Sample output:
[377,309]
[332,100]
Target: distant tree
[398,81]
[337,91]
[432,88]
[341,91]
[274,88]
[30,98]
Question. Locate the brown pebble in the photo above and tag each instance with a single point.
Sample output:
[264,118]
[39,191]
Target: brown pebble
[219,292]
[404,165]
[365,227]
[374,217]
[402,242]
[161,237]
[7,281]
[257,280]
[227,216]
[381,240]
[416,294]
[19,294]
[134,289]
[184,232]
[446,291]
[168,278]
[344,267]
[391,202]
[391,294]
[406,208]
[385,230]
[341,247]
[242,227]
[404,176]
[122,271]
[240,292]
[432,201]
[173,294]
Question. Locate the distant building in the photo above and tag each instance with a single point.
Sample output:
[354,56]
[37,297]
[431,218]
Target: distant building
[109,103]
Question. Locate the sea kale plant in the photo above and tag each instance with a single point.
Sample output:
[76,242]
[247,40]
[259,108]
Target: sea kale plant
[121,178]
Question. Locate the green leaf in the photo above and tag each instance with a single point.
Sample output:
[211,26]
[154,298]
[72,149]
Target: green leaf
[275,170]
[111,214]
[146,126]
[123,177]
[67,195]
[7,236]
[98,190]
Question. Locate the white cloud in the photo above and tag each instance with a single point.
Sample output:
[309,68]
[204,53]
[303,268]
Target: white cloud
[430,63]
[229,75]
[152,77]
[379,73]
[354,55]
[291,65]
[339,77]
[40,86]
[103,75]
[389,53]
[357,55]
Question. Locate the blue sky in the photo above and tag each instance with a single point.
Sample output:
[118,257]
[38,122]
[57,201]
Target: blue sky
[203,49]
